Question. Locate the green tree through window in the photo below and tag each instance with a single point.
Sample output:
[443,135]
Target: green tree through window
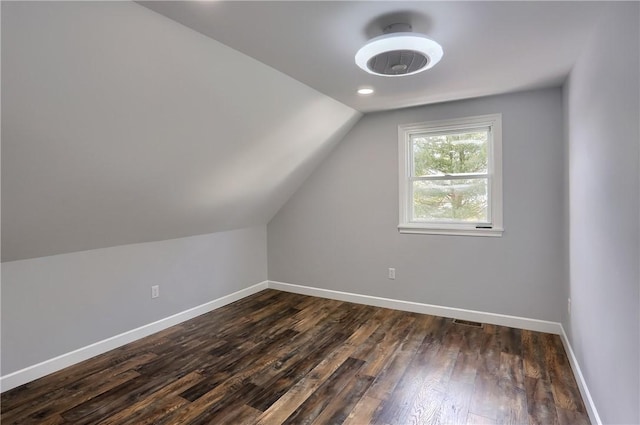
[450,178]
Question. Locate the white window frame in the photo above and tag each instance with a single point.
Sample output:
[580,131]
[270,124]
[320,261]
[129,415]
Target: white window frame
[494,168]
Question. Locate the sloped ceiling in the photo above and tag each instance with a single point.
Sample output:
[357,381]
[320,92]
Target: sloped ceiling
[122,126]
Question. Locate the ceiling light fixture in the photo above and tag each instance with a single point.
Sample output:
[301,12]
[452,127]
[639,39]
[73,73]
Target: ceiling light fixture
[398,52]
[365,91]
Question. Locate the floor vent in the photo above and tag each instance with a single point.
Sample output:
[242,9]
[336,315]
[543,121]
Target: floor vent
[467,323]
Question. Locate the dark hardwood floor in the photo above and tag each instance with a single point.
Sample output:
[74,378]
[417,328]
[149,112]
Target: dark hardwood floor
[281,358]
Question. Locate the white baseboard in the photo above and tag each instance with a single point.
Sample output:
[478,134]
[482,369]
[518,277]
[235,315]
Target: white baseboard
[458,313]
[39,370]
[582,384]
[436,310]
[46,367]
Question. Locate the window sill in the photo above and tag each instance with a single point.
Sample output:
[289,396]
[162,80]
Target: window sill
[454,231]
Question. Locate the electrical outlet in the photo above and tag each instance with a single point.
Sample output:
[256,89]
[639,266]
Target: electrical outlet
[155,291]
[392,273]
[569,305]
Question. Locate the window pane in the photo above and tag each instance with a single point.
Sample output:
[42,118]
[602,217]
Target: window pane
[458,153]
[463,200]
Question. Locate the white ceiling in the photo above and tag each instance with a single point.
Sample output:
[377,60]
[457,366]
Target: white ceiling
[120,125]
[490,47]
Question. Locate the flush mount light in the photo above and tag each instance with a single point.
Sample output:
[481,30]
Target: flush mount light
[398,52]
[365,91]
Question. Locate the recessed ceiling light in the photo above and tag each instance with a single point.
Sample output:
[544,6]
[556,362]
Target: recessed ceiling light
[365,91]
[398,52]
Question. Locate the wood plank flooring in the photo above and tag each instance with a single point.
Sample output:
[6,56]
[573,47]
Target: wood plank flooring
[281,358]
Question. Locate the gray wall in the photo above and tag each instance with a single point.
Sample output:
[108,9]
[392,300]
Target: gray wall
[339,229]
[53,305]
[603,148]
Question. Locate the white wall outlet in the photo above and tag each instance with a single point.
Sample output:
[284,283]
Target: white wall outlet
[155,291]
[569,305]
[392,273]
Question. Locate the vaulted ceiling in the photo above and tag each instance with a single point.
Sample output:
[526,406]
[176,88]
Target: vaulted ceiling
[122,126]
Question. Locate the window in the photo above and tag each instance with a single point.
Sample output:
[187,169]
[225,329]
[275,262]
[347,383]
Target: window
[451,176]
